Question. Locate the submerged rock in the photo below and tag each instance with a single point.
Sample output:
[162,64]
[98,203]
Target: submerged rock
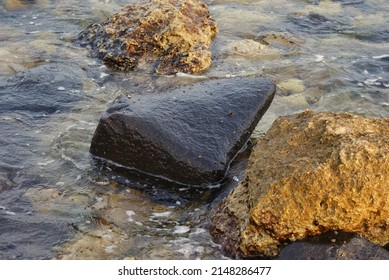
[102,237]
[5,183]
[314,23]
[310,174]
[334,246]
[270,45]
[188,135]
[292,86]
[176,32]
[44,89]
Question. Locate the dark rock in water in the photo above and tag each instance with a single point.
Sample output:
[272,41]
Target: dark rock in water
[350,2]
[342,246]
[314,23]
[188,135]
[44,89]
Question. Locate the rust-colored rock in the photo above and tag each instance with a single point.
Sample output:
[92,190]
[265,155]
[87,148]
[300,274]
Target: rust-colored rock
[311,173]
[177,33]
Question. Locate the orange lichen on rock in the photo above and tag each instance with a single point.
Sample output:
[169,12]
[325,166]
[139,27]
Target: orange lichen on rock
[310,174]
[177,33]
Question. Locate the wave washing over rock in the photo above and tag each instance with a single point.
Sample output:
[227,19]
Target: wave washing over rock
[312,173]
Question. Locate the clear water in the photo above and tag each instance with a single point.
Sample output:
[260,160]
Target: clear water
[56,203]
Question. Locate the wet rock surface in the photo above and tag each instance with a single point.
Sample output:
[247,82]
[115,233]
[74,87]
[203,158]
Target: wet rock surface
[188,135]
[340,72]
[177,33]
[334,246]
[310,174]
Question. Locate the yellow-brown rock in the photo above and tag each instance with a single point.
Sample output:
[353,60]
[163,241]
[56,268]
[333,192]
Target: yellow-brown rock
[176,33]
[311,173]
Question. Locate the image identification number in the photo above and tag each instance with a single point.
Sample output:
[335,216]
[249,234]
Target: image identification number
[260,270]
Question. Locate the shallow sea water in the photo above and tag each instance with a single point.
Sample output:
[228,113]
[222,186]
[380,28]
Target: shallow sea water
[56,202]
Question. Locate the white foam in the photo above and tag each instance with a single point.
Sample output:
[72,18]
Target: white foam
[319,57]
[130,215]
[110,249]
[200,231]
[373,82]
[103,75]
[181,229]
[381,56]
[161,214]
[185,75]
[45,163]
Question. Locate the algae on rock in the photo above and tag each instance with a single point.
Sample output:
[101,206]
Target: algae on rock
[311,173]
[177,33]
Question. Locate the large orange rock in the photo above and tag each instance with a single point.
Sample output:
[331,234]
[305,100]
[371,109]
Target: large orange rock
[311,173]
[176,33]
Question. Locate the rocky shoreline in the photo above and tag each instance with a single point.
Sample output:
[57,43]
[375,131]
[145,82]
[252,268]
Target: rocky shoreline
[316,183]
[310,176]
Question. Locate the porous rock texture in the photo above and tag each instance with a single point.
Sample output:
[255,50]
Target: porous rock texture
[189,134]
[178,33]
[311,173]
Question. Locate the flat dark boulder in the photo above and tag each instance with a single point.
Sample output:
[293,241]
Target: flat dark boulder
[188,135]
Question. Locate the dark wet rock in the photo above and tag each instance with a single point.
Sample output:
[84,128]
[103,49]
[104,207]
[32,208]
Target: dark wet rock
[177,33]
[343,2]
[334,246]
[311,173]
[314,23]
[188,135]
[350,2]
[368,35]
[45,89]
